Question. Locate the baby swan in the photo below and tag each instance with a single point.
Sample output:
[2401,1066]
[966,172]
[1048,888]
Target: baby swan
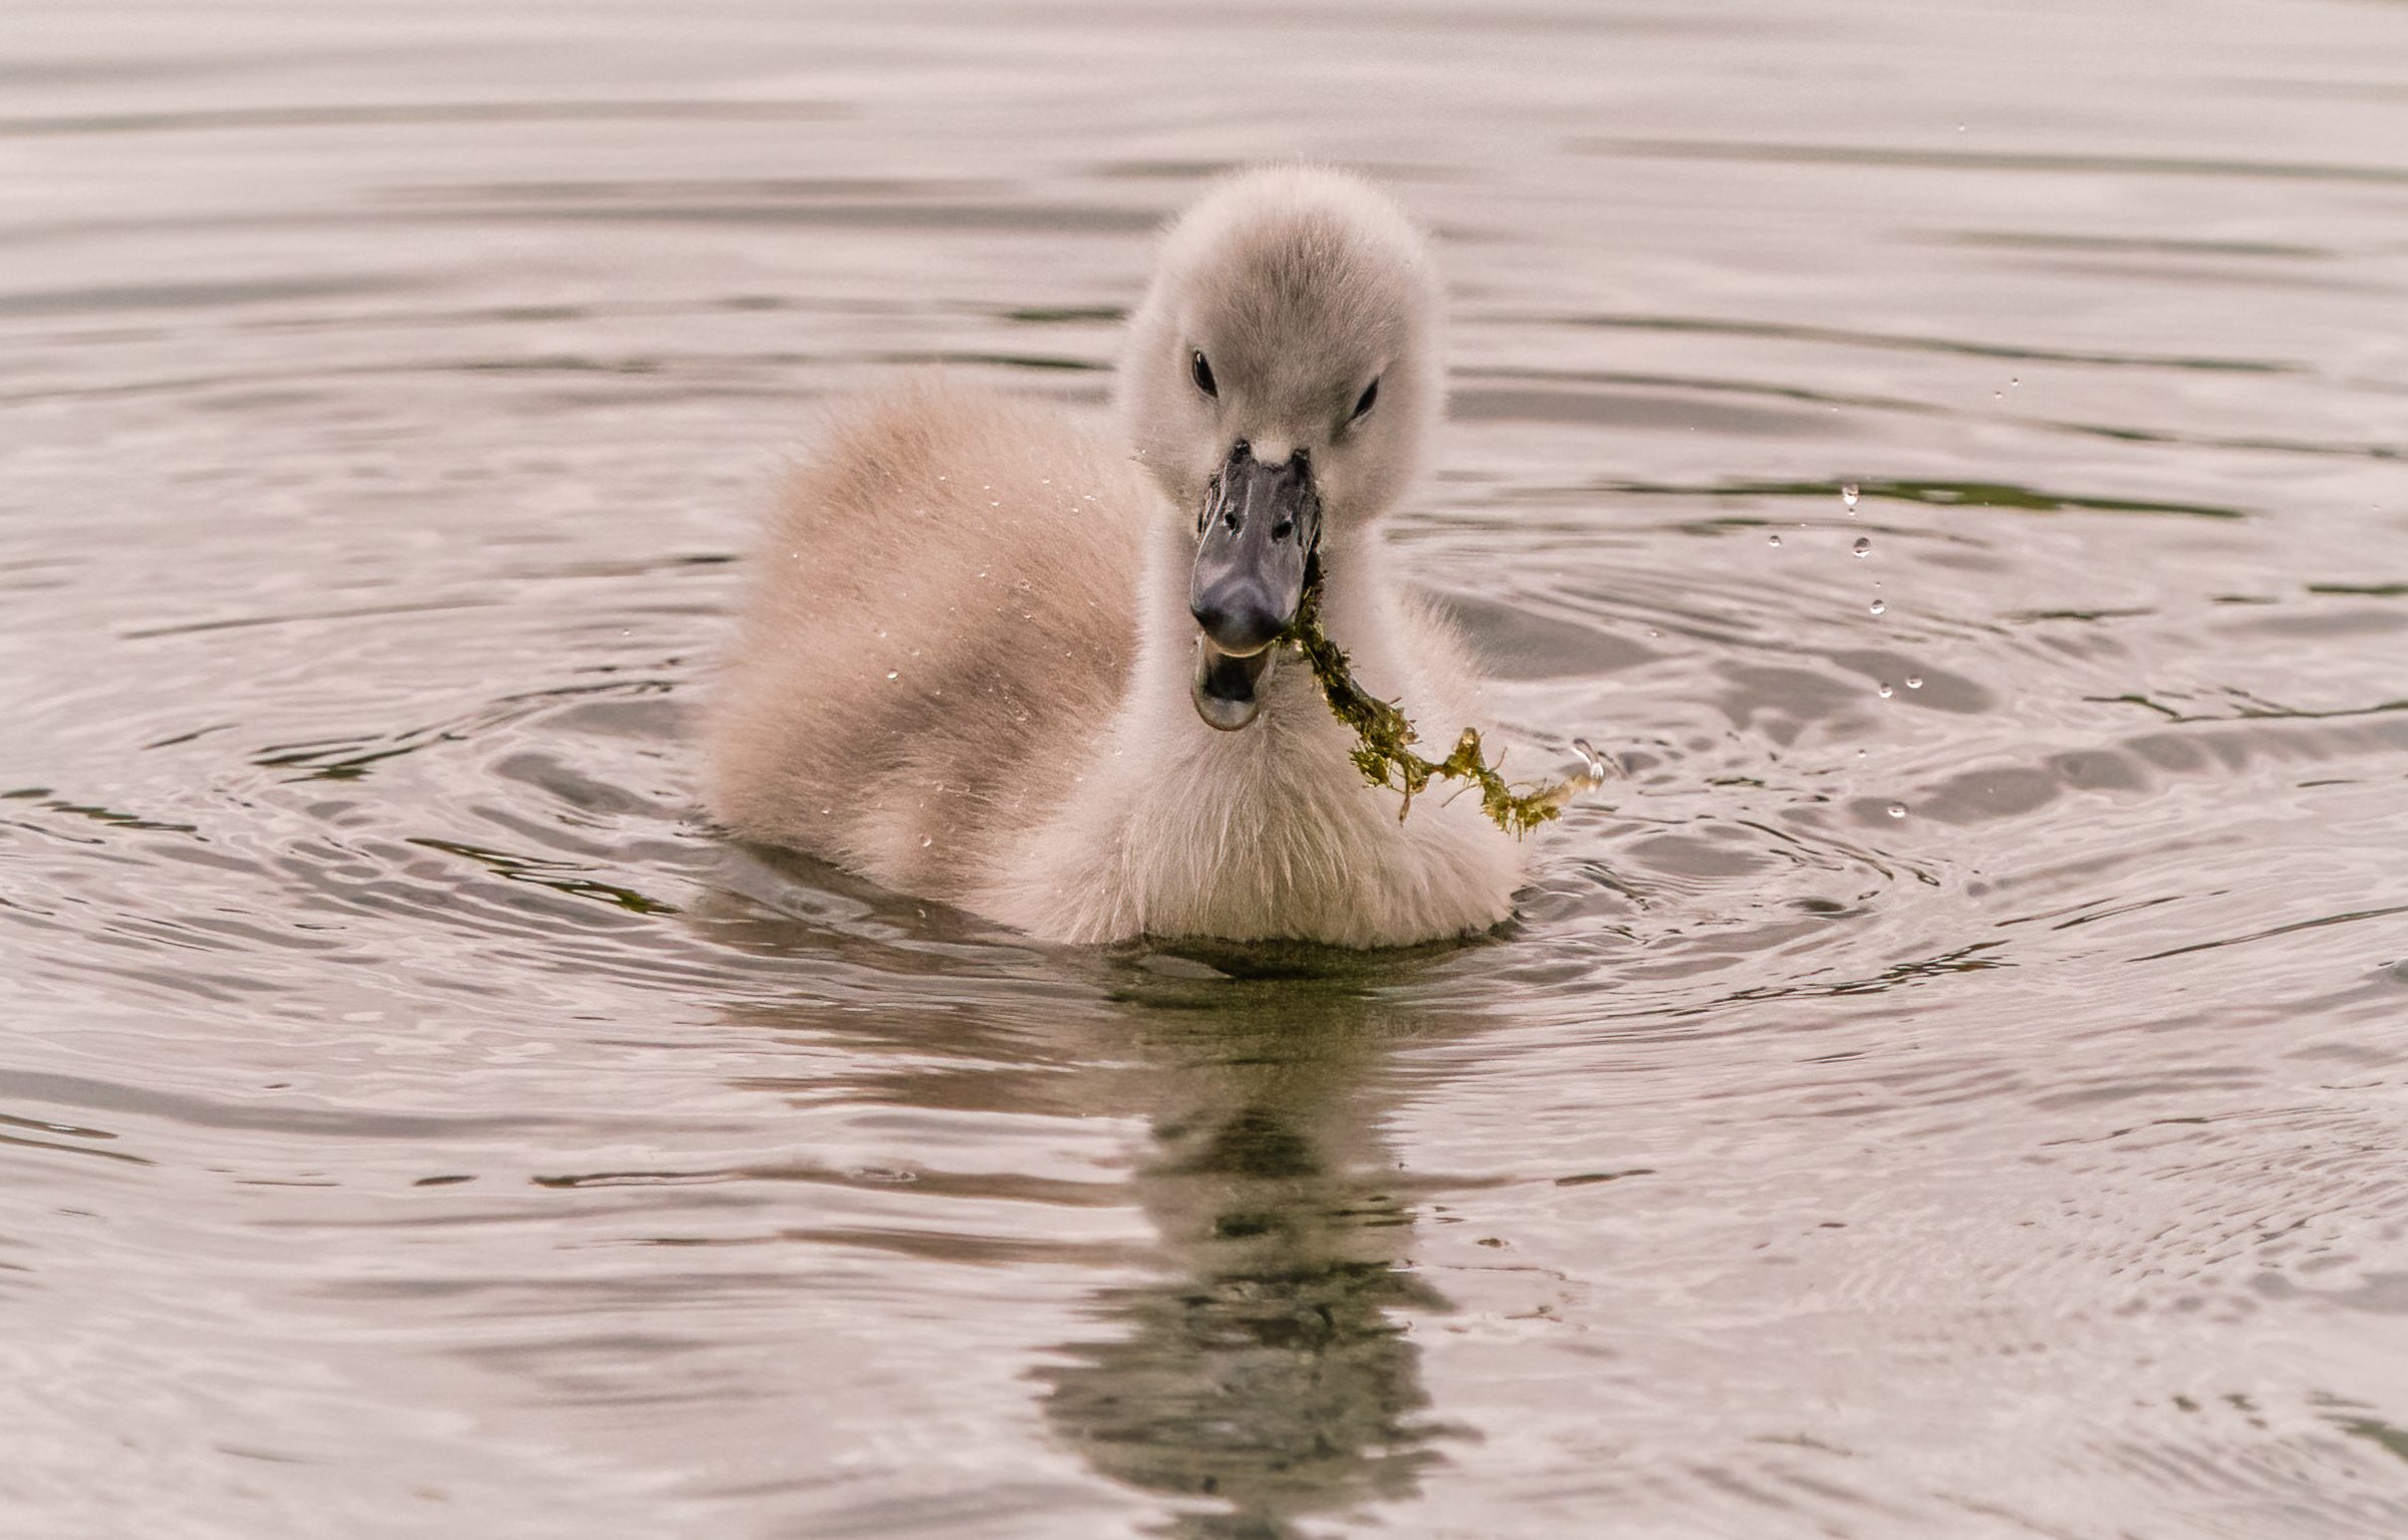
[993,661]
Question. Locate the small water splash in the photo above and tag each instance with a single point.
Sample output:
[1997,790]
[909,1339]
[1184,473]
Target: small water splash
[1879,606]
[1886,691]
[1897,809]
[1847,497]
[1914,682]
[1775,540]
[1595,766]
[1862,548]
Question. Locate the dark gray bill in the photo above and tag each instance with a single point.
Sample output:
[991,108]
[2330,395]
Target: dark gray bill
[1255,538]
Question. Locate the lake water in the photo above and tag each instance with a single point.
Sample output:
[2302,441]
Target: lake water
[1956,1085]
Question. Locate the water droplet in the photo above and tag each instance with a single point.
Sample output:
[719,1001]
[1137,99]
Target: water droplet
[926,842]
[1878,606]
[1886,691]
[1863,546]
[1860,753]
[892,675]
[1847,495]
[1897,809]
[1776,540]
[1914,682]
[1594,765]
[882,632]
[2013,382]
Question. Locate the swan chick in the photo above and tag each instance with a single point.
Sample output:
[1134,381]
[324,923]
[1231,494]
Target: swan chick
[997,657]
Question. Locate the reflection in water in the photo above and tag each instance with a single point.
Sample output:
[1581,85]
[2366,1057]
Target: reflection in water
[1264,1372]
[1266,1367]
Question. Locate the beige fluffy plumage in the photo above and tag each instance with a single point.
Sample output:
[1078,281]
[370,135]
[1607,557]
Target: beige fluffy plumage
[966,664]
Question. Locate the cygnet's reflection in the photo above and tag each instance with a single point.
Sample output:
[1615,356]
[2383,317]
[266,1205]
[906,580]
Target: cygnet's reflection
[1266,1369]
[1264,1374]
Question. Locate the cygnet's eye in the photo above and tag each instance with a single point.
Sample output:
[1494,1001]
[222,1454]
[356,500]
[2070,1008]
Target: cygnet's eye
[1202,373]
[1364,403]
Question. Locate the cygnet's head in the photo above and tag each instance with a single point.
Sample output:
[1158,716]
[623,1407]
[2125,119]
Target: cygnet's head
[1281,379]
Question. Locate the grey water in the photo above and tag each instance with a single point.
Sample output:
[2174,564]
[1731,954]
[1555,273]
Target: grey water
[1956,1085]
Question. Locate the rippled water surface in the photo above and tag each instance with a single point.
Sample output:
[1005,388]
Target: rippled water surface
[1957,1085]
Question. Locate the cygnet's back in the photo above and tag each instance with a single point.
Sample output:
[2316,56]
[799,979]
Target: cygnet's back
[941,625]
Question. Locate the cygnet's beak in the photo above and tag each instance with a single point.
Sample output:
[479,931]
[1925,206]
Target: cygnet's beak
[1256,534]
